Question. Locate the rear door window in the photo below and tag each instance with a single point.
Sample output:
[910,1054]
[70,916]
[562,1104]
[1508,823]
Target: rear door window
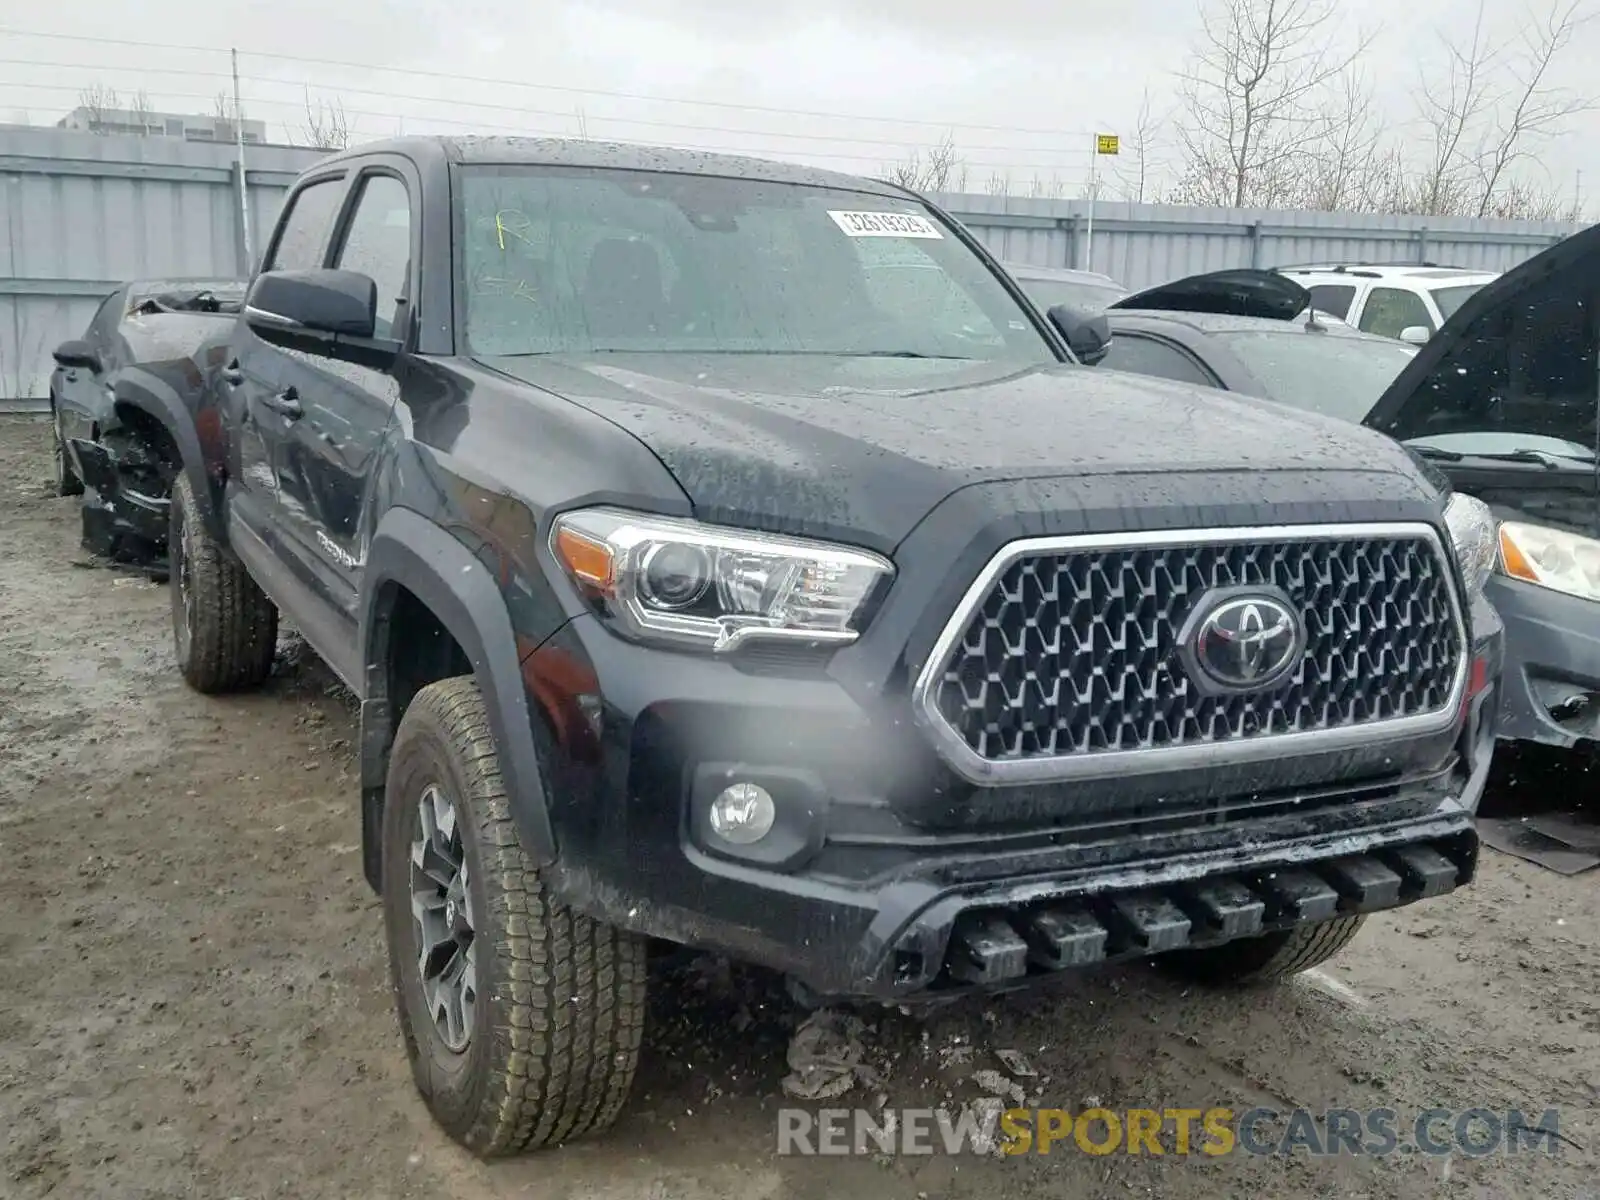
[1333,299]
[1391,311]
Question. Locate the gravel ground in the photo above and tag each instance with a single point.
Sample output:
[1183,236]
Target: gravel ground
[196,1001]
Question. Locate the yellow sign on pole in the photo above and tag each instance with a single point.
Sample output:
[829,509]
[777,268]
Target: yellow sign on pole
[1105,143]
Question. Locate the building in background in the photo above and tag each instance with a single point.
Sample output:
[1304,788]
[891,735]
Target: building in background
[191,127]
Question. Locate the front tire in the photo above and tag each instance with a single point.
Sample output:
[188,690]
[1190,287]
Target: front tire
[1268,958]
[225,630]
[67,482]
[521,1018]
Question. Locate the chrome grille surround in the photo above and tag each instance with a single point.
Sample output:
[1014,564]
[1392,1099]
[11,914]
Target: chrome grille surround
[1425,555]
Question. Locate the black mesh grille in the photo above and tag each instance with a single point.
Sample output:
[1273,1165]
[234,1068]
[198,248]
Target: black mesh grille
[1076,652]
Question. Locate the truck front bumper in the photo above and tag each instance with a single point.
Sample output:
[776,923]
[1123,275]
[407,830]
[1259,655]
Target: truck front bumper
[849,902]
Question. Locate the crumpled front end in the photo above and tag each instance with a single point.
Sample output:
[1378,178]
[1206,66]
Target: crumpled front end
[127,483]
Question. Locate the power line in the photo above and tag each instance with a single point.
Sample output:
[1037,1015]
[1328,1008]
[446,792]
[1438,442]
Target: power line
[550,87]
[341,90]
[1001,165]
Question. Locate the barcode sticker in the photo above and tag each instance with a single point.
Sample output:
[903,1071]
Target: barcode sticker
[885,224]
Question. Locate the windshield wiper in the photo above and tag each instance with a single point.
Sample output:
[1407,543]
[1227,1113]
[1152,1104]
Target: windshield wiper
[1542,458]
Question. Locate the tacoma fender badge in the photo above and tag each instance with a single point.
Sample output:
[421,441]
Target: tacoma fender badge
[337,552]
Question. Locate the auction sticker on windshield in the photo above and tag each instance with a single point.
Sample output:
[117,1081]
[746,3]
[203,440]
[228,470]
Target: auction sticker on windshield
[885,224]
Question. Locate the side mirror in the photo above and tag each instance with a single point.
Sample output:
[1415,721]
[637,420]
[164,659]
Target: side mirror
[340,303]
[1088,334]
[1415,334]
[76,353]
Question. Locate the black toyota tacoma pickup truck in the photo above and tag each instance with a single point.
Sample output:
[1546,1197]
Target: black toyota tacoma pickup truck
[726,554]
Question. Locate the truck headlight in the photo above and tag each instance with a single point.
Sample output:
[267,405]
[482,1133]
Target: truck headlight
[1471,527]
[1563,562]
[680,582]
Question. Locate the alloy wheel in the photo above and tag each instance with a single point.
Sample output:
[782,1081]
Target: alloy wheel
[442,917]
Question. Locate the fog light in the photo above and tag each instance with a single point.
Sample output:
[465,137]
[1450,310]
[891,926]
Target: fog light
[743,813]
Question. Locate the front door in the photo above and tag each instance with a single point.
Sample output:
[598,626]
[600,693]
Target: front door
[325,461]
[256,378]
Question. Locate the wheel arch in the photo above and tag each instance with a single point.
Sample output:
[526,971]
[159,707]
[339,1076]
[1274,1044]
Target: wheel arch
[147,395]
[424,590]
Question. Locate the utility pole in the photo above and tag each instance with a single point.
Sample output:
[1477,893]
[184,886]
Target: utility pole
[1104,143]
[244,189]
[1088,233]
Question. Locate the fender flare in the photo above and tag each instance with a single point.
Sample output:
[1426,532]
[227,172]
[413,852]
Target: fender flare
[413,552]
[158,401]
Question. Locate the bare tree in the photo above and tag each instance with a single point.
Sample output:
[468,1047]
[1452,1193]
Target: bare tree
[142,111]
[1053,188]
[937,169]
[1349,167]
[1253,96]
[98,101]
[1451,103]
[1519,200]
[224,109]
[1140,150]
[1487,107]
[325,126]
[1538,110]
[583,123]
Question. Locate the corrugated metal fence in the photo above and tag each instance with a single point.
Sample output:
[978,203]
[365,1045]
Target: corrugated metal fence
[80,213]
[1145,244]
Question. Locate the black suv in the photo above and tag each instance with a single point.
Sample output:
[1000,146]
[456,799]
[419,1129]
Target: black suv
[726,553]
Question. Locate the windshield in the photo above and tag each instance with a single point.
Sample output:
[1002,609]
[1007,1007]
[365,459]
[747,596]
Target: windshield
[1047,293]
[579,261]
[1449,299]
[1325,373]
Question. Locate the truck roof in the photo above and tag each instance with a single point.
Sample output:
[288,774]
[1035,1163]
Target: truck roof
[627,156]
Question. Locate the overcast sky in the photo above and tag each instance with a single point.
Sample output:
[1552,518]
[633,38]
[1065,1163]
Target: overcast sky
[1019,86]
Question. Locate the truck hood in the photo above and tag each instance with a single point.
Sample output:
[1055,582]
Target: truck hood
[1515,368]
[1461,359]
[864,448]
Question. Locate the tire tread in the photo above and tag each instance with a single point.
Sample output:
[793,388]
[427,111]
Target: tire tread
[235,632]
[570,1015]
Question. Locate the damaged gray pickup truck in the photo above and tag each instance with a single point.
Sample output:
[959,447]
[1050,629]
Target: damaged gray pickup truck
[725,553]
[141,353]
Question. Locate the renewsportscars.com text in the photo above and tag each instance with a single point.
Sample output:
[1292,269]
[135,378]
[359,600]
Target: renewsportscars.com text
[988,1129]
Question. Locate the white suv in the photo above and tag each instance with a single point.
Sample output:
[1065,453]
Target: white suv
[1409,303]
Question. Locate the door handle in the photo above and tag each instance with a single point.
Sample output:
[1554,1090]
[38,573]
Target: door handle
[286,404]
[232,375]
